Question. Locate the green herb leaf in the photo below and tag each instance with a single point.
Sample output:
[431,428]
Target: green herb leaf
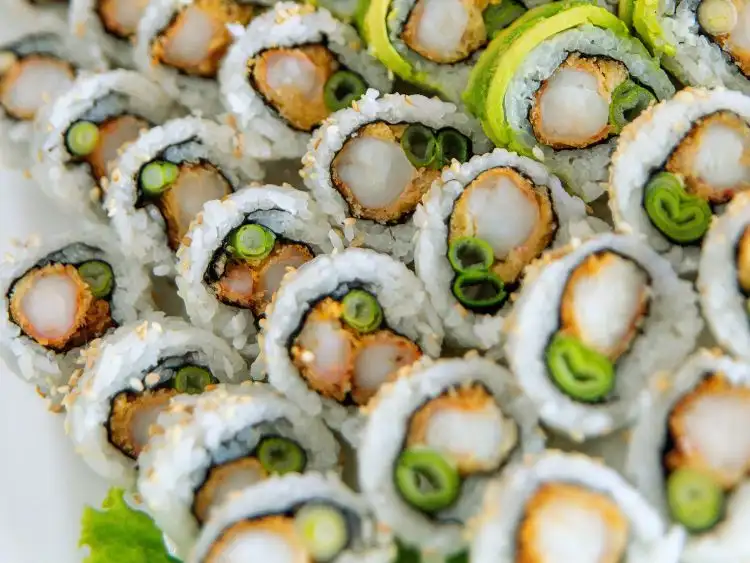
[120,533]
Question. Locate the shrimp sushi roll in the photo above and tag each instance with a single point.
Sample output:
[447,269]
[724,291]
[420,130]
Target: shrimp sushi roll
[80,136]
[181,44]
[594,322]
[724,278]
[61,293]
[128,379]
[433,441]
[235,255]
[294,67]
[313,518]
[688,458]
[561,85]
[559,507]
[111,24]
[369,166]
[343,325]
[210,447]
[677,167]
[161,182]
[350,11]
[480,225]
[48,9]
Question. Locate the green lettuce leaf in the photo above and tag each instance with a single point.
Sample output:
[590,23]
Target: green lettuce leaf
[121,534]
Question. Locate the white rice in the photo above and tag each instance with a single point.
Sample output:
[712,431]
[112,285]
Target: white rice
[286,211]
[644,147]
[465,328]
[386,431]
[644,466]
[396,240]
[495,531]
[142,229]
[196,434]
[406,310]
[61,177]
[131,298]
[121,362]
[289,25]
[667,336]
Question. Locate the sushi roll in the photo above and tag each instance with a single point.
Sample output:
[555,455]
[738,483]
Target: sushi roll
[677,166]
[38,62]
[559,507]
[480,225]
[293,67]
[350,11]
[111,24]
[129,378]
[561,85]
[209,447]
[369,166]
[312,518]
[61,293]
[690,458]
[435,43]
[49,9]
[181,45]
[80,136]
[342,326]
[724,278]
[433,441]
[592,325]
[161,182]
[235,255]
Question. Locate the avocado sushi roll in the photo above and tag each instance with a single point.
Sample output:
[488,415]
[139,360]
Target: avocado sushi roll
[162,181]
[128,379]
[561,85]
[433,441]
[677,167]
[687,457]
[208,448]
[313,518]
[181,44]
[724,277]
[236,253]
[593,324]
[369,166]
[293,67]
[60,294]
[343,325]
[80,136]
[558,507]
[435,43]
[480,225]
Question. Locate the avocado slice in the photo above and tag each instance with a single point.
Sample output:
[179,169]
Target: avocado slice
[625,11]
[646,23]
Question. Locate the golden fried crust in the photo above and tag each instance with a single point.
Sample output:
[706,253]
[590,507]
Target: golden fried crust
[303,112]
[740,56]
[270,525]
[108,14]
[205,497]
[686,152]
[743,261]
[8,79]
[409,198]
[125,407]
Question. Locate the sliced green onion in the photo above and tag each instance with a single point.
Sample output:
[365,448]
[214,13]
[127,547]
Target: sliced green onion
[280,455]
[499,16]
[323,530]
[681,217]
[98,276]
[717,17]
[695,499]
[361,311]
[580,372]
[192,380]
[420,145]
[452,145]
[628,101]
[252,242]
[157,176]
[470,253]
[426,479]
[479,291]
[82,138]
[343,88]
